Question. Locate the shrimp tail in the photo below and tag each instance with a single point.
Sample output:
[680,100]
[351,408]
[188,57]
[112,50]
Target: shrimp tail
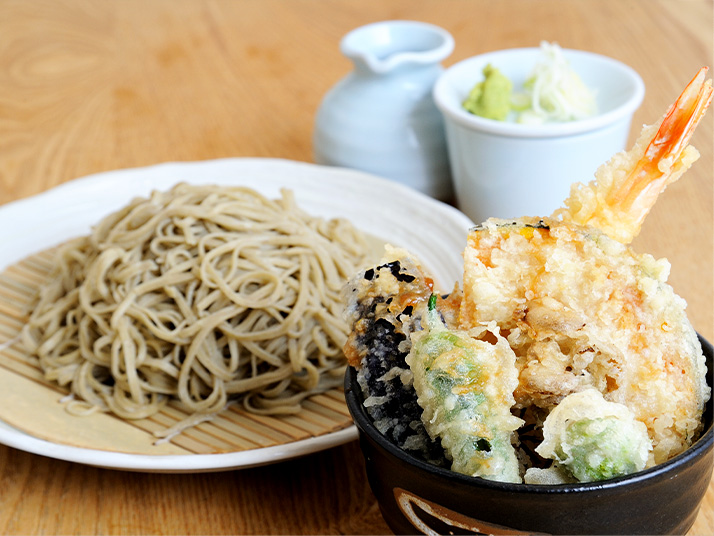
[626,188]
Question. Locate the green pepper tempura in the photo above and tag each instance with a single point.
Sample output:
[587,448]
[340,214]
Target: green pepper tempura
[464,382]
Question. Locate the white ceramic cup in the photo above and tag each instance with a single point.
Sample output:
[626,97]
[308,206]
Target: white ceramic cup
[507,170]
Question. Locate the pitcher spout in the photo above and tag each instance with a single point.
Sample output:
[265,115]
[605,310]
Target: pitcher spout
[382,47]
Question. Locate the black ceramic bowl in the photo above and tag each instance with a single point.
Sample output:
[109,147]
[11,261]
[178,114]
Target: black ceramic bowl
[417,497]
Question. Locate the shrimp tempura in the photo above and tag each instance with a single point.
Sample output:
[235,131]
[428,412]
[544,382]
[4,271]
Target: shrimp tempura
[627,187]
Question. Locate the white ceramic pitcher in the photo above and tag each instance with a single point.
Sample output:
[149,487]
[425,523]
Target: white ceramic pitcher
[381,118]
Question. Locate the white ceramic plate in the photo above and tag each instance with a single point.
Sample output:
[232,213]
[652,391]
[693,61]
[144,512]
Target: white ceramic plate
[435,232]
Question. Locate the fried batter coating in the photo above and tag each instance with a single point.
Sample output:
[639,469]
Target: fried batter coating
[592,439]
[626,187]
[384,305]
[581,310]
[464,381]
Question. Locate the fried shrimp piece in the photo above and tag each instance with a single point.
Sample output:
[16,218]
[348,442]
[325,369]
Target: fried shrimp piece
[465,381]
[581,310]
[384,304]
[627,187]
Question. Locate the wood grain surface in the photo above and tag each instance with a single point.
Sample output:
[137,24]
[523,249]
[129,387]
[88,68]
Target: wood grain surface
[94,85]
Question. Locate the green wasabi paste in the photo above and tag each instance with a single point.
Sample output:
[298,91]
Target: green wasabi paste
[552,93]
[490,98]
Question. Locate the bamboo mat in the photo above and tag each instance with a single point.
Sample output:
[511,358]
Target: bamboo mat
[34,405]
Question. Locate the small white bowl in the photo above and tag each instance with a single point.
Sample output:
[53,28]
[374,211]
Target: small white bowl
[507,170]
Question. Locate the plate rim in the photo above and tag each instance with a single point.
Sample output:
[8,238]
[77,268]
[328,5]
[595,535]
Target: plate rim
[174,463]
[150,175]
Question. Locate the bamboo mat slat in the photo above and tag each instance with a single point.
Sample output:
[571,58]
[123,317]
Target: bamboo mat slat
[233,430]
[274,426]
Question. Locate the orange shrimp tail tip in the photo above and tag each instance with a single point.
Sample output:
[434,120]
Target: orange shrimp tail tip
[626,187]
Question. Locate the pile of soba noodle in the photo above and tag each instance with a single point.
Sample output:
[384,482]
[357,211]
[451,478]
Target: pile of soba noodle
[198,294]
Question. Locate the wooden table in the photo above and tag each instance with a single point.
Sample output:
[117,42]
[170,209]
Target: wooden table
[90,85]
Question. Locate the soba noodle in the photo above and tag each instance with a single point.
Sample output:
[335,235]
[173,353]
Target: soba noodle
[199,294]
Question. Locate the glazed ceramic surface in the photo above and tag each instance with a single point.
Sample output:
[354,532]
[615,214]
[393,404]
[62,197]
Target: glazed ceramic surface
[418,497]
[381,118]
[507,170]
